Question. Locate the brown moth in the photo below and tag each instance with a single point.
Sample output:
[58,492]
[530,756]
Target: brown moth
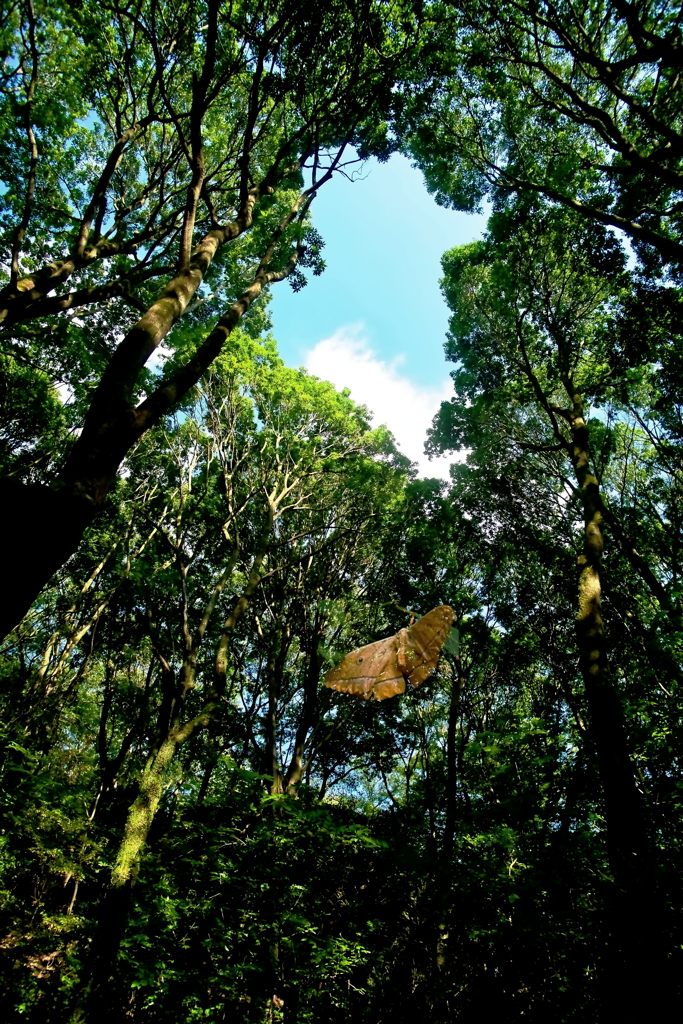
[381,669]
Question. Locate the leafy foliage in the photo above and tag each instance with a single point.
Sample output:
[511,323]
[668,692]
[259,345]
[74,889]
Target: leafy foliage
[192,828]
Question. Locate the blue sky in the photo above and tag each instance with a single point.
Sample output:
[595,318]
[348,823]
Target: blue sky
[375,321]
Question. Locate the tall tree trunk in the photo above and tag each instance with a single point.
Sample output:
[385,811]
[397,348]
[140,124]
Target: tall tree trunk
[106,943]
[297,765]
[623,807]
[631,990]
[457,686]
[274,669]
[143,809]
[114,912]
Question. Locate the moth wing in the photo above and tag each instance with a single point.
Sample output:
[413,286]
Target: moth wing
[424,641]
[371,672]
[419,674]
[388,687]
[380,670]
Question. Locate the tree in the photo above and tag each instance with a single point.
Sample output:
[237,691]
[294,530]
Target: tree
[166,179]
[191,826]
[271,488]
[581,106]
[438,850]
[532,330]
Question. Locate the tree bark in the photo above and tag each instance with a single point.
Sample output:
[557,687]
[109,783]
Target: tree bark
[95,1001]
[457,686]
[143,809]
[41,529]
[297,765]
[43,526]
[117,898]
[274,670]
[632,982]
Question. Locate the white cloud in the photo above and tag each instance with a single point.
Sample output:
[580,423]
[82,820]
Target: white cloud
[156,361]
[406,408]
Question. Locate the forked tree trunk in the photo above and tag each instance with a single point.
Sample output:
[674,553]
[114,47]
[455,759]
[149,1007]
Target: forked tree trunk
[95,992]
[43,527]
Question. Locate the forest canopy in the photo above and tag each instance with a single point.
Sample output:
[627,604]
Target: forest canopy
[192,827]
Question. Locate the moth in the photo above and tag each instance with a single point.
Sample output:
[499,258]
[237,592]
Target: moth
[381,670]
